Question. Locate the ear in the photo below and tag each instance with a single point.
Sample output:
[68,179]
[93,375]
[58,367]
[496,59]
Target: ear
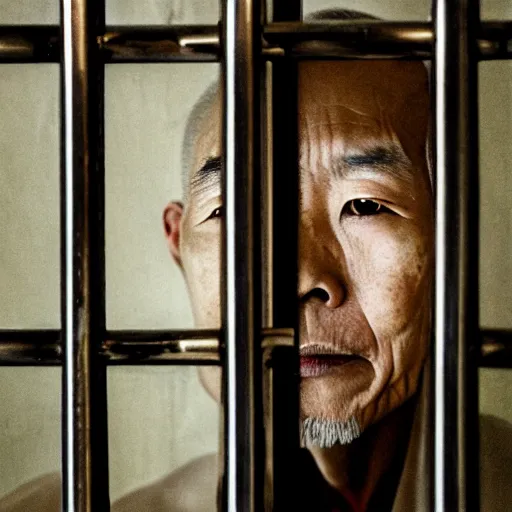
[172,216]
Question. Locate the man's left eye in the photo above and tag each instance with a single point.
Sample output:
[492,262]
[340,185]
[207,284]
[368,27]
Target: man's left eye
[364,207]
[217,213]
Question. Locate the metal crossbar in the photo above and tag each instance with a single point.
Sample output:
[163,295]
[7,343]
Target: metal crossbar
[200,43]
[84,347]
[44,347]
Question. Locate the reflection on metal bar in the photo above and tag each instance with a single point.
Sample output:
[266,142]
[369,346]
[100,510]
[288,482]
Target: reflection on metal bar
[162,347]
[267,199]
[495,40]
[28,43]
[185,347]
[496,349]
[200,43]
[243,474]
[456,313]
[187,43]
[84,427]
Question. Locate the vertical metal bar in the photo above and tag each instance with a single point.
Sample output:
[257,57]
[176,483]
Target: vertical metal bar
[283,364]
[243,434]
[267,269]
[267,199]
[456,314]
[84,427]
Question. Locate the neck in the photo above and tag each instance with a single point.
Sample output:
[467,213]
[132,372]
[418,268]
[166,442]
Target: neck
[355,470]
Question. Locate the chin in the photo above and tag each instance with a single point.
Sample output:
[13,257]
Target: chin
[339,392]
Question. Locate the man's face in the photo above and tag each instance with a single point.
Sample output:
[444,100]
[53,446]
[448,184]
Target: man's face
[365,237]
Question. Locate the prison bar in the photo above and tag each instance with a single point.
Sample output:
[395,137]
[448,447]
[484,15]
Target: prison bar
[243,471]
[282,365]
[43,347]
[456,431]
[200,43]
[194,347]
[84,396]
[453,272]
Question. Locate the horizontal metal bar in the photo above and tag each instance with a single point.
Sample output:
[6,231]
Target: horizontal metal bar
[42,347]
[161,44]
[352,39]
[30,348]
[160,347]
[200,43]
[29,43]
[190,347]
[375,39]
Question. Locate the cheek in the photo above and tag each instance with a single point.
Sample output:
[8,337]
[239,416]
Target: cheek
[201,264]
[391,270]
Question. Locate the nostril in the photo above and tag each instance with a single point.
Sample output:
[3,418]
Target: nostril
[318,293]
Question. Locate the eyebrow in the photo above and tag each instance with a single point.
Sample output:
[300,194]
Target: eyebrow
[389,160]
[208,176]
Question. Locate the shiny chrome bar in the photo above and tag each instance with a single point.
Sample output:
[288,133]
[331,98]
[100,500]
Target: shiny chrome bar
[363,39]
[84,425]
[352,39]
[29,43]
[43,347]
[162,347]
[456,310]
[242,383]
[338,40]
[267,200]
[201,347]
[187,43]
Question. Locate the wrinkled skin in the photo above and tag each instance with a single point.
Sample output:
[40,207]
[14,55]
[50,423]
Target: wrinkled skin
[365,248]
[364,280]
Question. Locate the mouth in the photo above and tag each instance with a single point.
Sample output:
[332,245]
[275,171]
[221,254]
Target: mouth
[316,365]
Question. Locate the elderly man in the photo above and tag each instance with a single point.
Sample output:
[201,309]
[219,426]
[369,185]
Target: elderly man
[365,266]
[365,274]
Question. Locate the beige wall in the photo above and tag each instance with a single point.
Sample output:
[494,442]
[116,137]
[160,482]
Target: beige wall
[160,417]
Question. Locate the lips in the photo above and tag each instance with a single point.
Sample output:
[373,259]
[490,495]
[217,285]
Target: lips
[316,365]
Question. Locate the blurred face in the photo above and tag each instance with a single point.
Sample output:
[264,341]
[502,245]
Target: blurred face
[365,239]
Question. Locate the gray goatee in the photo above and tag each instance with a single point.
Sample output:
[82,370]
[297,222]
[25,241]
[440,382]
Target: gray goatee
[326,433]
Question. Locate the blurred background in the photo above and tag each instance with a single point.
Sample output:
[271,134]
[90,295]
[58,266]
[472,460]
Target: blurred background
[159,417]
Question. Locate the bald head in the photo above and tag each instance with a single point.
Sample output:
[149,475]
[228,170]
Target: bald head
[195,124]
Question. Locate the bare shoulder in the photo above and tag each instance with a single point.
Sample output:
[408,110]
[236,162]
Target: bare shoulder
[39,495]
[495,463]
[191,488]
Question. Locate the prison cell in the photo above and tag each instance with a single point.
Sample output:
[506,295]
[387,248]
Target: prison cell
[243,43]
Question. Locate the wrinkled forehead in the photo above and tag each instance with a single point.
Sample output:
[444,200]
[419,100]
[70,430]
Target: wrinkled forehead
[364,104]
[361,102]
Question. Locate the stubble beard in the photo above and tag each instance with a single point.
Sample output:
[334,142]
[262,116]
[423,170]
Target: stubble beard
[325,433]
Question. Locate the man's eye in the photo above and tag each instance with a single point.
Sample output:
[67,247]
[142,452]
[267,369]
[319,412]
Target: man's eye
[363,207]
[217,213]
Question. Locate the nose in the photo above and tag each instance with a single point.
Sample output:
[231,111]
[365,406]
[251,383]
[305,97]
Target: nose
[321,261]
